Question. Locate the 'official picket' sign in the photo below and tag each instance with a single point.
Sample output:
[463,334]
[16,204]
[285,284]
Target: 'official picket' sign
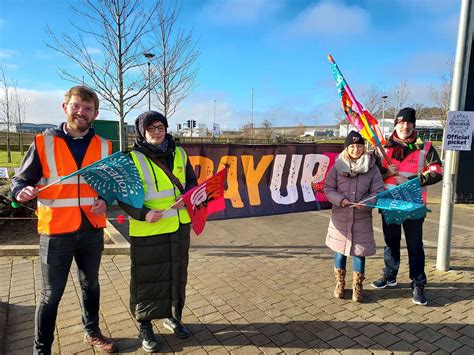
[458,131]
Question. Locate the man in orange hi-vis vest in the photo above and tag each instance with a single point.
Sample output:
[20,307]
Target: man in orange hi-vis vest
[410,158]
[71,215]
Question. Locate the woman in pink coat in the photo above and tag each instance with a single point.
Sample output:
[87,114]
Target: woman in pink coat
[353,178]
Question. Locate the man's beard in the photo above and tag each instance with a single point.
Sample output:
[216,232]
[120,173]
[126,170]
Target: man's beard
[81,126]
[405,134]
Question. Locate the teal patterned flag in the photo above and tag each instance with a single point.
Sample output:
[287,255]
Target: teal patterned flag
[402,202]
[115,178]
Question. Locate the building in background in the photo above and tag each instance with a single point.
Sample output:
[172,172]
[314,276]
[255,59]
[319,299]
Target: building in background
[27,127]
[191,128]
[301,130]
[216,130]
[427,129]
[430,129]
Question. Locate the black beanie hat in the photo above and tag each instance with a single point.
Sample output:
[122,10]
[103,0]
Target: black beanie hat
[146,119]
[406,114]
[353,138]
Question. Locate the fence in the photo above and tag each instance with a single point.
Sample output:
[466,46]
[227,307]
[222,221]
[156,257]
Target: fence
[15,140]
[28,138]
[432,135]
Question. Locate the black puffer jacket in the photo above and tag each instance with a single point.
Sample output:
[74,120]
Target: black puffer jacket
[159,274]
[159,263]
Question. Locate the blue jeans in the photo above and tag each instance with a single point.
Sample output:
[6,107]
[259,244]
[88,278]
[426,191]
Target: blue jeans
[56,254]
[416,255]
[358,262]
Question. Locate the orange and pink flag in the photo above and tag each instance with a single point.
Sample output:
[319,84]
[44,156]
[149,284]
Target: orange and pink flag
[361,119]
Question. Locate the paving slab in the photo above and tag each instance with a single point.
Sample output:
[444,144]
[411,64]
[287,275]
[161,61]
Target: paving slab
[264,285]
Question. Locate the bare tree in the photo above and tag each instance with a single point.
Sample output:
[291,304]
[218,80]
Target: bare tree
[176,59]
[441,95]
[6,102]
[372,99]
[341,120]
[400,95]
[299,130]
[247,130]
[19,114]
[267,129]
[422,112]
[118,28]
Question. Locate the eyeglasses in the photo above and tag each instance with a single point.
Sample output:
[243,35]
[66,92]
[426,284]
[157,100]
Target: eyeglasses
[153,128]
[86,109]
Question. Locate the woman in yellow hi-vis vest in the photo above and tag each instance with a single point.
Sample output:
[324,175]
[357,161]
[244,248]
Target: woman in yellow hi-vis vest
[159,237]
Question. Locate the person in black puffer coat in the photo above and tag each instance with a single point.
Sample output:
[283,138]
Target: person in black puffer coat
[160,230]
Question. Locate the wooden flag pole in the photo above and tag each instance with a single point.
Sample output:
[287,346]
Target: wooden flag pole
[172,205]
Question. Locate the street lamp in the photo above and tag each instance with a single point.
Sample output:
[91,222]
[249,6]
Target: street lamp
[214,112]
[149,56]
[214,121]
[251,125]
[384,99]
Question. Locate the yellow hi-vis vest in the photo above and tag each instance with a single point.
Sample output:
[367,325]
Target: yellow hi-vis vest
[160,193]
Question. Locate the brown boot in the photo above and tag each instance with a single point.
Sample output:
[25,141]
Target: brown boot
[340,283]
[357,279]
[101,343]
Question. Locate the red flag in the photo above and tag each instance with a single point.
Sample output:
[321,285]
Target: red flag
[205,199]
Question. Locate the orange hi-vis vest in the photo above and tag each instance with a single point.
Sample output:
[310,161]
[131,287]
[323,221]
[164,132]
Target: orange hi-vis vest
[60,205]
[412,165]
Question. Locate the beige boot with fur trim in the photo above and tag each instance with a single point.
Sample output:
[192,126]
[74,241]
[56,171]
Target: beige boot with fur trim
[357,279]
[340,283]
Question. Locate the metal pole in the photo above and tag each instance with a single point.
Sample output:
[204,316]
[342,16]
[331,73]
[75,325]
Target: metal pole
[149,87]
[384,98]
[214,122]
[457,103]
[273,126]
[315,133]
[383,116]
[251,125]
[149,56]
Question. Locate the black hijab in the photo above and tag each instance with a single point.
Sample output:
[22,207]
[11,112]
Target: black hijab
[141,144]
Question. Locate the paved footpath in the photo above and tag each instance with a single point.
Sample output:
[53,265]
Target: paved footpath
[264,285]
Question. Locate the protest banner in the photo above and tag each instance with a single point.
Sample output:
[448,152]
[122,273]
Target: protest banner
[267,179]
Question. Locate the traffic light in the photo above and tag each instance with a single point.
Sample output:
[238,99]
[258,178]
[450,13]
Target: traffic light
[180,126]
[188,123]
[193,122]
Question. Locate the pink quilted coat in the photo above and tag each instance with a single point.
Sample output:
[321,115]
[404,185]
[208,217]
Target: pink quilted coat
[350,230]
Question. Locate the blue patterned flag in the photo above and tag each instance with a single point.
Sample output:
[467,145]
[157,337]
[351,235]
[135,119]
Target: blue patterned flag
[115,178]
[402,202]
